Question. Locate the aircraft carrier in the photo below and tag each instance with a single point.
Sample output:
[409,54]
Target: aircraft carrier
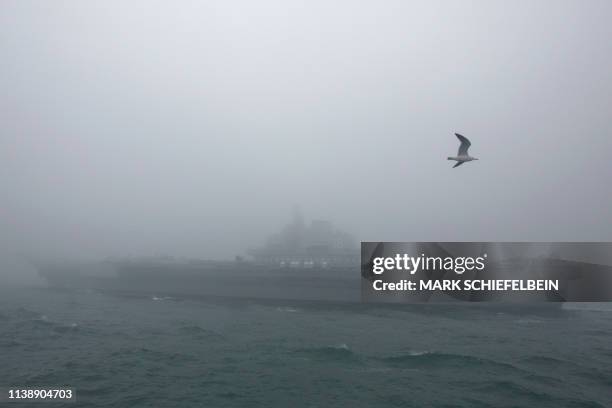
[318,262]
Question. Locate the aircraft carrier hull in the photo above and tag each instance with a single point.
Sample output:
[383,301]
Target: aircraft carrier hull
[219,279]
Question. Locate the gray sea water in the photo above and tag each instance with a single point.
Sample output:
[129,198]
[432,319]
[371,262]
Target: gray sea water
[155,351]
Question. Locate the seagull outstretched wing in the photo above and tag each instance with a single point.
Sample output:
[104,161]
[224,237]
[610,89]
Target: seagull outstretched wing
[465,145]
[458,164]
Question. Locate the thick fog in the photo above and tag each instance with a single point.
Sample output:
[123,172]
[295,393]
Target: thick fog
[193,128]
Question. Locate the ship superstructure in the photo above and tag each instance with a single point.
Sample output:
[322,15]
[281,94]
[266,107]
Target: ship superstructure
[299,245]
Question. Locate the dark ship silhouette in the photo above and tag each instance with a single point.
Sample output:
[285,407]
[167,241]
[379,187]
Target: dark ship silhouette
[315,262]
[318,262]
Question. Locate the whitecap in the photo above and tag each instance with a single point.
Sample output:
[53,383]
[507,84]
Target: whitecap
[341,346]
[162,298]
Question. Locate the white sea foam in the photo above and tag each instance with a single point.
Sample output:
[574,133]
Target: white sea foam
[156,298]
[416,353]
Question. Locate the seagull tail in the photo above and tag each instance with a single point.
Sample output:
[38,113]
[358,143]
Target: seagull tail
[449,158]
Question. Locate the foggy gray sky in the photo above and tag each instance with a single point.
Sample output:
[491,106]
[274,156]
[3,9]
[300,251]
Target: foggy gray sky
[192,128]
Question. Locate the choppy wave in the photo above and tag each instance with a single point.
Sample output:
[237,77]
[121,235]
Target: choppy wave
[65,328]
[162,298]
[200,332]
[529,321]
[9,343]
[146,353]
[443,360]
[286,309]
[513,389]
[338,352]
[550,361]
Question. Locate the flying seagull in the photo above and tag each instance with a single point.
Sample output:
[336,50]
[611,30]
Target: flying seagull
[462,155]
